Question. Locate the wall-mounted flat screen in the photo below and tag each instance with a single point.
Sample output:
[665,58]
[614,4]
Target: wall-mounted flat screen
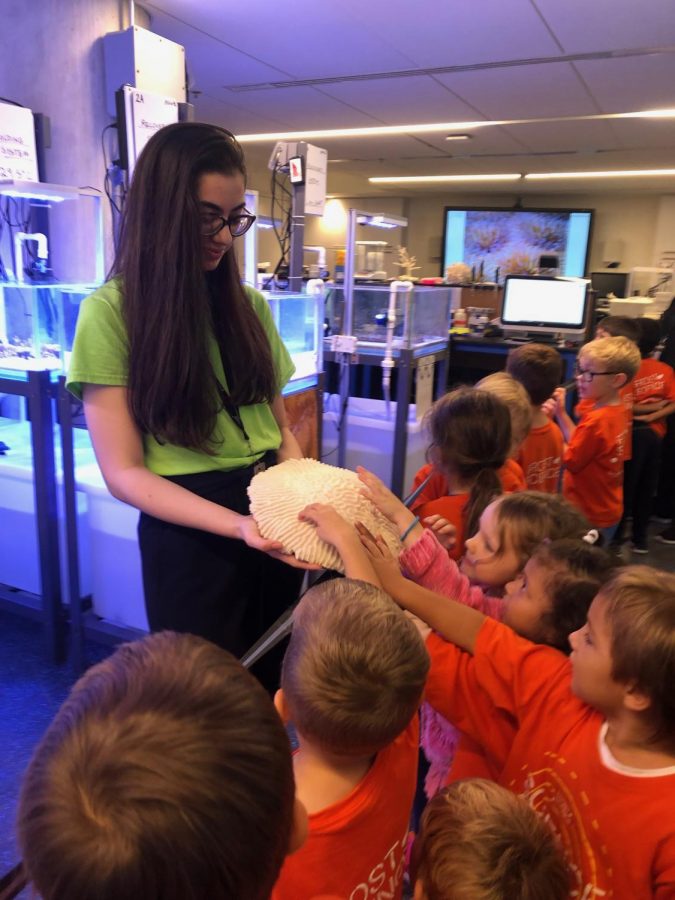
[500,242]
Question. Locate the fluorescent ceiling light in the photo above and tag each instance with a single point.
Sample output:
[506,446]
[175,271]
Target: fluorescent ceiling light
[458,137]
[649,114]
[433,127]
[619,173]
[427,128]
[420,179]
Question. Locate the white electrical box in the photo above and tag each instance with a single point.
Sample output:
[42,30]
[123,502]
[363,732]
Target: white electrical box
[145,61]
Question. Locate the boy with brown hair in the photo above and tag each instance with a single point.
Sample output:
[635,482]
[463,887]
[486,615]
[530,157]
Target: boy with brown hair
[478,841]
[538,368]
[589,740]
[595,452]
[351,684]
[166,775]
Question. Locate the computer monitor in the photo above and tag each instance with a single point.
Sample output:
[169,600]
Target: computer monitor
[605,283]
[541,305]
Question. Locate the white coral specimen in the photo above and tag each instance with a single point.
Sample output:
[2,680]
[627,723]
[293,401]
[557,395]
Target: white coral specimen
[279,493]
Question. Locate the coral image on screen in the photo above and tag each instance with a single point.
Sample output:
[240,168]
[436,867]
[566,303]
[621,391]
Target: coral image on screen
[495,243]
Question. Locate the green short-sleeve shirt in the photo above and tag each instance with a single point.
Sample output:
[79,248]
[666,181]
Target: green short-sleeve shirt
[100,356]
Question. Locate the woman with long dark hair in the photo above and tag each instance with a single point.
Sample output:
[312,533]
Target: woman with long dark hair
[181,369]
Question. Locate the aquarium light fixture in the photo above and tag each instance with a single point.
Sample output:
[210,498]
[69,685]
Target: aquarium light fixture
[421,179]
[618,173]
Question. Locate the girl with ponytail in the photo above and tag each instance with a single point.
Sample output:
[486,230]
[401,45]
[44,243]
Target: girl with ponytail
[470,432]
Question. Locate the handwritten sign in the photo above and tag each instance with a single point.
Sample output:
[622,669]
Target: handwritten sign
[18,156]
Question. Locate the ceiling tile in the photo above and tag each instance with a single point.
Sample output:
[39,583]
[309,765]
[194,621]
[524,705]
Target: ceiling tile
[587,25]
[633,83]
[537,90]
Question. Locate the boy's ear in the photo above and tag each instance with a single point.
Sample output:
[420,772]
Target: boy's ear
[300,827]
[281,706]
[620,380]
[636,700]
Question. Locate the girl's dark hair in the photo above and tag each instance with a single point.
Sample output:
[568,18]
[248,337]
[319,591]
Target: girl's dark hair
[470,430]
[577,572]
[171,306]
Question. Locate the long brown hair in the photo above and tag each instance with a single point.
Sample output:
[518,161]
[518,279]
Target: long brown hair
[171,306]
[470,431]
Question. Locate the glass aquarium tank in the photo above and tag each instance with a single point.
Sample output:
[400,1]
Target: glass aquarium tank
[37,324]
[299,319]
[422,316]
[51,258]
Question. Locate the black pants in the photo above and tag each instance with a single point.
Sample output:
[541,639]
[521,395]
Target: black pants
[215,587]
[665,493]
[641,475]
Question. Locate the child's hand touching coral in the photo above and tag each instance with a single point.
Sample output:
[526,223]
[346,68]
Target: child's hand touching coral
[383,562]
[334,529]
[389,505]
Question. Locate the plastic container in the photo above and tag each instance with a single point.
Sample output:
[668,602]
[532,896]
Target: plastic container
[370,437]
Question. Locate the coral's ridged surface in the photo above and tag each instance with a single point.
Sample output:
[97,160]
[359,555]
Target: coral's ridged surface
[278,494]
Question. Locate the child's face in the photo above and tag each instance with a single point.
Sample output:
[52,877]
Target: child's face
[485,561]
[528,601]
[594,381]
[591,659]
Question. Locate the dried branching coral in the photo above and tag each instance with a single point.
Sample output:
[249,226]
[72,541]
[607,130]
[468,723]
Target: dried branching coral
[407,263]
[278,494]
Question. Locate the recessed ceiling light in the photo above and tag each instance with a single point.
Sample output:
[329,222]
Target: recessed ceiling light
[420,179]
[458,137]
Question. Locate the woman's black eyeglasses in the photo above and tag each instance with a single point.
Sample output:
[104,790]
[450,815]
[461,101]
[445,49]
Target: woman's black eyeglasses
[238,224]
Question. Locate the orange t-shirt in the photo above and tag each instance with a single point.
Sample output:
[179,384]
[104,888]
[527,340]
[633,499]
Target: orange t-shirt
[616,825]
[654,381]
[628,397]
[593,478]
[356,848]
[435,499]
[540,458]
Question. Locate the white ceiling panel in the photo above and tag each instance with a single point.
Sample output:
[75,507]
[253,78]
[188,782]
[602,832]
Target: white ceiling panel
[212,61]
[547,137]
[237,118]
[586,25]
[635,83]
[305,40]
[537,90]
[457,32]
[656,134]
[395,100]
[299,108]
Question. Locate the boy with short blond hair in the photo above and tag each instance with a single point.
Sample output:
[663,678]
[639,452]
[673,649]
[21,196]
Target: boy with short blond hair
[538,367]
[514,395]
[166,775]
[589,740]
[351,684]
[478,841]
[595,452]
